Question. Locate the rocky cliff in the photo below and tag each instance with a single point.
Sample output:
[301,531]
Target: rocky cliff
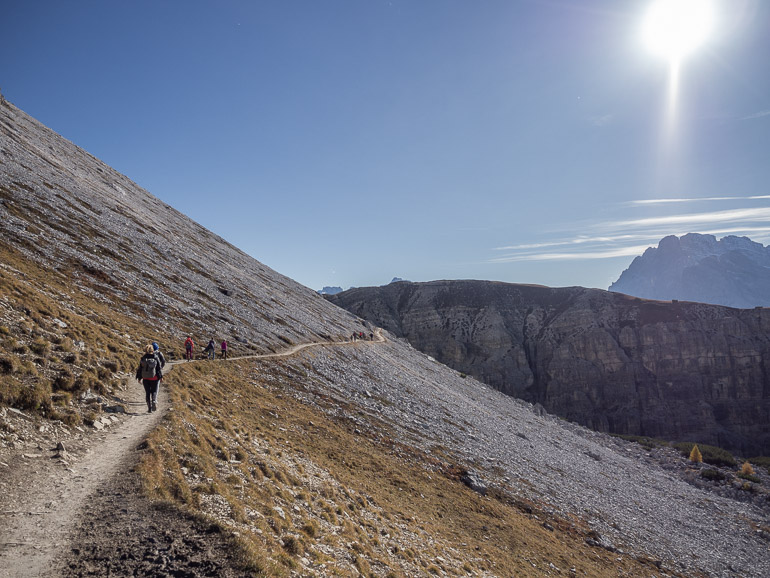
[674,370]
[732,271]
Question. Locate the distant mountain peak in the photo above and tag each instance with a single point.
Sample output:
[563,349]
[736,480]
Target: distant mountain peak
[732,271]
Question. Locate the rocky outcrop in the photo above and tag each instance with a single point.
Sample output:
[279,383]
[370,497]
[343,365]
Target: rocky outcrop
[674,370]
[734,271]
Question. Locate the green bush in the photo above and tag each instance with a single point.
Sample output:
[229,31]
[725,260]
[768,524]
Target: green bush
[713,475]
[711,454]
[647,442]
[750,477]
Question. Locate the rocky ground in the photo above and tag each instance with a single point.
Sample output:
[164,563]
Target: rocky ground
[638,501]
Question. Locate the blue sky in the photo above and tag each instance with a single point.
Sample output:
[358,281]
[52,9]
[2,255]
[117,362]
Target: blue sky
[344,142]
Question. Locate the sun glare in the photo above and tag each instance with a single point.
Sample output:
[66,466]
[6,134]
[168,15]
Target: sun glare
[675,28]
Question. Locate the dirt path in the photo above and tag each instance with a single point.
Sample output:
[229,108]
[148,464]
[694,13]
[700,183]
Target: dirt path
[45,495]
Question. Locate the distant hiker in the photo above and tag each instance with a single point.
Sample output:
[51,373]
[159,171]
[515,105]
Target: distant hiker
[189,345]
[224,349]
[159,355]
[150,374]
[371,337]
[210,348]
[353,337]
[361,334]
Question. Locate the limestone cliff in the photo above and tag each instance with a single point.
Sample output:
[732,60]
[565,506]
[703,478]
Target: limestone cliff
[674,370]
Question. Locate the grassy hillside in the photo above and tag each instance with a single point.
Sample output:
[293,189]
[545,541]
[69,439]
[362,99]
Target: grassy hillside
[307,490]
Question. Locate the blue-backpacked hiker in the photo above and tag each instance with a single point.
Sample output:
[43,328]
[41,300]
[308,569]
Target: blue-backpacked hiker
[150,374]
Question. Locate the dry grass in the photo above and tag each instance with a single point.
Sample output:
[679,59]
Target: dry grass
[303,491]
[56,339]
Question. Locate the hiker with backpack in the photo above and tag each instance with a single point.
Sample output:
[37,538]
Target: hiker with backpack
[150,374]
[189,345]
[224,349]
[210,348]
[159,354]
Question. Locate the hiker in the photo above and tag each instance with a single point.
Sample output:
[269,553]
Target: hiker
[224,349]
[371,337]
[159,354]
[210,348]
[189,345]
[353,337]
[150,374]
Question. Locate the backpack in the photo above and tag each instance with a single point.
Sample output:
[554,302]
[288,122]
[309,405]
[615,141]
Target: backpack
[149,366]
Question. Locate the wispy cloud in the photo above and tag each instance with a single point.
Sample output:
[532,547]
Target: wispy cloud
[759,114]
[624,237]
[577,241]
[695,200]
[605,254]
[760,214]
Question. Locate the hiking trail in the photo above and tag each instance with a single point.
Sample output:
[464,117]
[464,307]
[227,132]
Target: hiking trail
[44,492]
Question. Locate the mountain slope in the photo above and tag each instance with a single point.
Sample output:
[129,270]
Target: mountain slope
[346,459]
[733,271]
[678,371]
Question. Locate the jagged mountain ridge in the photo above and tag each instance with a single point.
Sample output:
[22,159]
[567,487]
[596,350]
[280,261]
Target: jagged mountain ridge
[678,371]
[73,215]
[733,271]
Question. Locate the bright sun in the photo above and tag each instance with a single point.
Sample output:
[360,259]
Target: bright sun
[675,28]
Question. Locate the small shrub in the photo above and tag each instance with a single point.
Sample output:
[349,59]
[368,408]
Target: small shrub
[36,397]
[293,545]
[710,454]
[64,381]
[310,529]
[40,347]
[747,473]
[7,365]
[750,478]
[695,455]
[644,441]
[70,418]
[713,475]
[761,462]
[4,330]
